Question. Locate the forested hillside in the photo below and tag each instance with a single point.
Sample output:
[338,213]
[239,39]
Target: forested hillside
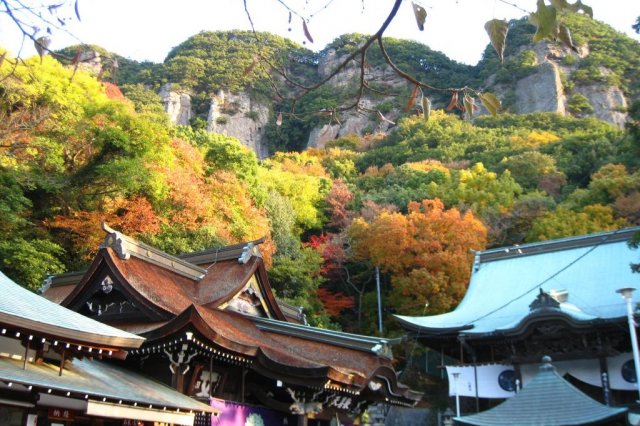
[229,76]
[412,202]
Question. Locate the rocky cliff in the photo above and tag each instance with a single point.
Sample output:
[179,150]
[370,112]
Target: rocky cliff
[550,88]
[235,115]
[554,79]
[240,116]
[365,118]
[177,104]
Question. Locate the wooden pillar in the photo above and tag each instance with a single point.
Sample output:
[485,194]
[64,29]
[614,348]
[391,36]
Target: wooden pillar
[174,380]
[242,390]
[180,381]
[302,420]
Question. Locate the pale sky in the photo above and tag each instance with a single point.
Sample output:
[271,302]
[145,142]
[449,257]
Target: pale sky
[148,29]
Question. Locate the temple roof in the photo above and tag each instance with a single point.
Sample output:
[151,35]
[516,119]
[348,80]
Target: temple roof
[160,279]
[548,400]
[206,293]
[580,273]
[294,353]
[91,384]
[96,380]
[23,310]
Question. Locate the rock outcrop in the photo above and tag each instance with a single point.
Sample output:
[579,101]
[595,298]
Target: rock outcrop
[608,102]
[541,92]
[545,90]
[240,116]
[177,104]
[364,119]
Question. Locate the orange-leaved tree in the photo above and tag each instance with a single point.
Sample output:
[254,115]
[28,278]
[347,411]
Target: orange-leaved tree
[427,252]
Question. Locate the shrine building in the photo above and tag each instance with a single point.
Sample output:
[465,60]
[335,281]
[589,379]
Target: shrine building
[214,331]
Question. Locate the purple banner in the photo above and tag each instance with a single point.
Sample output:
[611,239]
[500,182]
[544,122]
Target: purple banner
[236,414]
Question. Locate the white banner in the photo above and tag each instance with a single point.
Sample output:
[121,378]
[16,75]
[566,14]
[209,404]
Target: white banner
[621,370]
[498,380]
[494,380]
[587,370]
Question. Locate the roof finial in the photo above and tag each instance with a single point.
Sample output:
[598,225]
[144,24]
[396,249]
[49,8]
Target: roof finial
[546,364]
[247,252]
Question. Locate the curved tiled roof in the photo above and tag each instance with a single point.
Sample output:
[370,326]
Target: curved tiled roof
[548,400]
[98,380]
[296,357]
[191,292]
[504,282]
[23,309]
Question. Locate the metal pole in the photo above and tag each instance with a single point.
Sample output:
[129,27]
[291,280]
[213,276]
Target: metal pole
[379,300]
[627,295]
[455,385]
[475,378]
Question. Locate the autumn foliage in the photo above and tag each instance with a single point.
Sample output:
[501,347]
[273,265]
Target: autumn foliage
[427,251]
[334,303]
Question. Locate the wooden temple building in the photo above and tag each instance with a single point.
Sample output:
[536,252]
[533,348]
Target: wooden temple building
[554,298]
[55,370]
[214,331]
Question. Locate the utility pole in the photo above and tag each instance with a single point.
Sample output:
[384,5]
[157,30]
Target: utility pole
[627,296]
[379,300]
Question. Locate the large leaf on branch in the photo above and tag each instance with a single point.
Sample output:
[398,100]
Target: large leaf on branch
[420,13]
[412,98]
[307,34]
[469,105]
[544,18]
[426,107]
[581,7]
[578,6]
[497,30]
[490,102]
[453,103]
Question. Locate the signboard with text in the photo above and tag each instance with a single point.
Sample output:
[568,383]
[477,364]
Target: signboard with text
[63,414]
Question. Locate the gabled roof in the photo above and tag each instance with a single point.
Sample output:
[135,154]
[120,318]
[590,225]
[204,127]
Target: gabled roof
[164,297]
[548,400]
[166,284]
[581,272]
[293,353]
[23,310]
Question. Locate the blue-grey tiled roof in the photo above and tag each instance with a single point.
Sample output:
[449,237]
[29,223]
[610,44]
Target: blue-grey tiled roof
[98,380]
[548,400]
[26,310]
[505,282]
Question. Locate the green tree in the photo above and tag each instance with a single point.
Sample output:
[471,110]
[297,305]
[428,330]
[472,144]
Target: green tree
[483,191]
[566,223]
[528,168]
[296,280]
[300,184]
[29,261]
